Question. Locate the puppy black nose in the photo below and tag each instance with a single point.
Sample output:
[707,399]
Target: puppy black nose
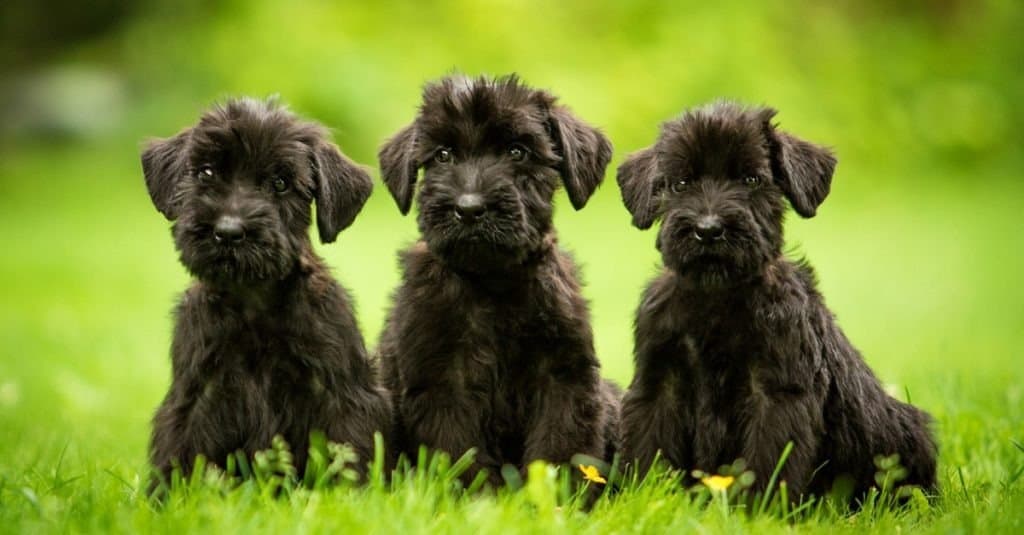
[229,229]
[709,228]
[469,207]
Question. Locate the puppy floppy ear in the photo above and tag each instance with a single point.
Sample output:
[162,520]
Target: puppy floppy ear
[585,153]
[398,166]
[640,185]
[163,166]
[342,188]
[803,170]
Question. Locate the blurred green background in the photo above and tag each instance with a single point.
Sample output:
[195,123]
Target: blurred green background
[918,248]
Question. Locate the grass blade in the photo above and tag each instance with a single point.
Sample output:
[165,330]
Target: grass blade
[963,484]
[60,464]
[111,473]
[198,470]
[462,464]
[775,475]
[784,496]
[1013,478]
[805,505]
[510,474]
[477,483]
[379,461]
[244,468]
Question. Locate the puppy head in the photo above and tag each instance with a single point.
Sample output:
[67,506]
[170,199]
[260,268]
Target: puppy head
[717,177]
[239,185]
[493,152]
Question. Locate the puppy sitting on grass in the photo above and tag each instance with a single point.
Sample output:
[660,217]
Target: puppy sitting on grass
[488,344]
[265,340]
[736,353]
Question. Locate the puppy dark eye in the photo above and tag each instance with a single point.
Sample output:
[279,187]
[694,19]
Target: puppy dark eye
[752,180]
[517,152]
[280,185]
[679,185]
[443,155]
[204,173]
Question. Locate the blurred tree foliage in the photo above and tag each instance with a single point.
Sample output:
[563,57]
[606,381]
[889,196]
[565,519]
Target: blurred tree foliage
[35,32]
[891,83]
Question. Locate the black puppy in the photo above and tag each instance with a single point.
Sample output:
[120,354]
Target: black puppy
[736,353]
[488,344]
[265,340]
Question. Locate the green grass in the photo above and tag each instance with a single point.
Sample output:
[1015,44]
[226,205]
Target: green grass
[928,289]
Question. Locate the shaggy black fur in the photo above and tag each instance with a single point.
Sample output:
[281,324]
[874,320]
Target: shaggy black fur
[265,340]
[736,353]
[488,344]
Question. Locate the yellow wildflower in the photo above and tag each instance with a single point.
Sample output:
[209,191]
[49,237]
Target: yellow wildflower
[717,483]
[590,473]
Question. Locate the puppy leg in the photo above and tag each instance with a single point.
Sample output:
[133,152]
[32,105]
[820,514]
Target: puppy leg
[192,420]
[775,420]
[917,446]
[355,418]
[657,411]
[869,423]
[171,445]
[443,420]
[651,423]
[568,419]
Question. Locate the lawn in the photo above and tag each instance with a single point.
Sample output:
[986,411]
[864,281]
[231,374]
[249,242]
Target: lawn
[919,249]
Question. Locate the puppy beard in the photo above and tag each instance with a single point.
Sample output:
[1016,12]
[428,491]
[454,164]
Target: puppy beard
[263,256]
[499,242]
[716,265]
[475,256]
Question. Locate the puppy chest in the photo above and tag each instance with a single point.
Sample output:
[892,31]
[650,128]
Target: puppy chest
[236,406]
[263,375]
